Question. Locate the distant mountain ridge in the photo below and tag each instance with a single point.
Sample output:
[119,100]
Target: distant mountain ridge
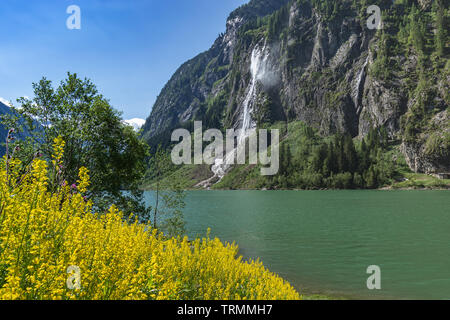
[4,109]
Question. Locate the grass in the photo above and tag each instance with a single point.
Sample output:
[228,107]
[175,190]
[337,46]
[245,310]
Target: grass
[186,177]
[240,177]
[420,181]
[317,297]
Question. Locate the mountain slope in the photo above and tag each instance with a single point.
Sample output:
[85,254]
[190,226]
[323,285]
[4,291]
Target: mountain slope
[318,62]
[4,109]
[185,95]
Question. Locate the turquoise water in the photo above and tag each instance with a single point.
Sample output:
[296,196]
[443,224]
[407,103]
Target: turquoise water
[323,241]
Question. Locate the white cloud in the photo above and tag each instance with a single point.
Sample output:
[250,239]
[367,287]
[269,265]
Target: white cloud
[136,123]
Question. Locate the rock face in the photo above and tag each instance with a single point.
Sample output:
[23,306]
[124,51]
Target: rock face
[431,153]
[316,68]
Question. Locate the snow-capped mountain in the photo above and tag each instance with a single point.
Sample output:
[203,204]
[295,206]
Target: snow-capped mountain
[136,123]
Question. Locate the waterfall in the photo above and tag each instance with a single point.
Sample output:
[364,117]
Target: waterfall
[358,86]
[258,67]
[257,71]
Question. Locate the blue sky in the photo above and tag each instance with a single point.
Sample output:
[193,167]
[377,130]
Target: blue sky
[128,48]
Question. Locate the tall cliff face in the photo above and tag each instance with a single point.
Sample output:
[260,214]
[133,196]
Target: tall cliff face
[317,61]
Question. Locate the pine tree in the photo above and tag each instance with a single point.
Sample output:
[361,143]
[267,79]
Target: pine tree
[350,154]
[440,37]
[416,31]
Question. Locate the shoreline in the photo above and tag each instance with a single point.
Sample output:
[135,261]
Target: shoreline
[389,188]
[319,297]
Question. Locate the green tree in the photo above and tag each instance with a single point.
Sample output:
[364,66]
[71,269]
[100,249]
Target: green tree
[173,204]
[169,198]
[350,154]
[441,30]
[417,32]
[318,159]
[285,159]
[95,137]
[371,178]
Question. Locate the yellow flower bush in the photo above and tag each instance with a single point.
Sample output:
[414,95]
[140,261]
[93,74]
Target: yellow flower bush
[46,235]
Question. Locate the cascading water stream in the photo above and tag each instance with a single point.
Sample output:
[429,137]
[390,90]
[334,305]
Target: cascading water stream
[359,86]
[257,70]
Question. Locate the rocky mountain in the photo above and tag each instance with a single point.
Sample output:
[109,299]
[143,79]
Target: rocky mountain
[322,62]
[136,123]
[4,109]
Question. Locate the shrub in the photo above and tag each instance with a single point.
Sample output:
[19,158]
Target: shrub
[44,232]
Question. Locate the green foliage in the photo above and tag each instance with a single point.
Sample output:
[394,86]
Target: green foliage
[438,144]
[415,119]
[277,21]
[382,66]
[417,30]
[411,30]
[329,9]
[214,113]
[265,113]
[442,24]
[257,8]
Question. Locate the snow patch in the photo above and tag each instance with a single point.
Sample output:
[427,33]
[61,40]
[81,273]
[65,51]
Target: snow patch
[5,102]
